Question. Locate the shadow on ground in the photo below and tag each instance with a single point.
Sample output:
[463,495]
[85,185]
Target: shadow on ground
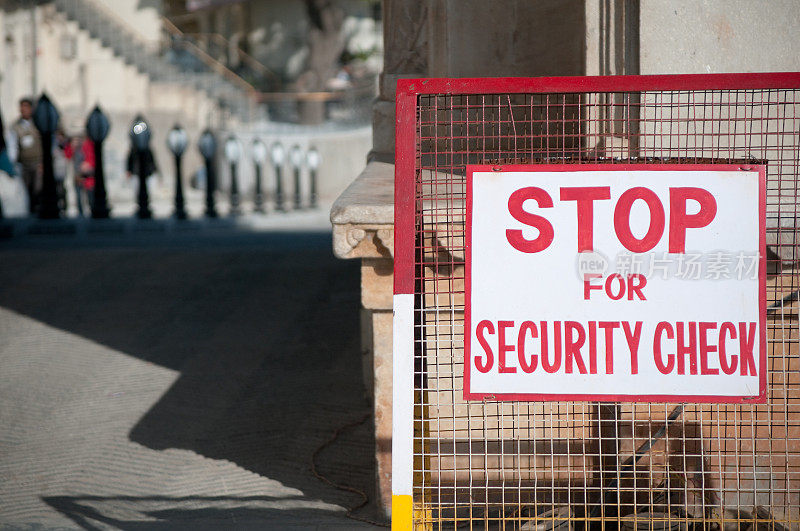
[153,513]
[264,334]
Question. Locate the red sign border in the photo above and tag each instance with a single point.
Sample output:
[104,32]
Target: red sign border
[762,282]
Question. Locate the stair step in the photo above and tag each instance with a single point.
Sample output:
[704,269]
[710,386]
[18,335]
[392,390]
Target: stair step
[123,43]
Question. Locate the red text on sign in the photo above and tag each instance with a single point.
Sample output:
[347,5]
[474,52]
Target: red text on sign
[572,347]
[585,196]
[615,286]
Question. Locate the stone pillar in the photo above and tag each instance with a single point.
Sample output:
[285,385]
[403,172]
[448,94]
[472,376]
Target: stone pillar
[434,38]
[405,43]
[363,228]
[612,48]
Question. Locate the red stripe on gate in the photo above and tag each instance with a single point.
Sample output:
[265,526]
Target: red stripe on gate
[650,83]
[404,196]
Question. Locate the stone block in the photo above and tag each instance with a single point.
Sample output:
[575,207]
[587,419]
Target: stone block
[362,241]
[369,200]
[383,122]
[687,37]
[367,353]
[513,38]
[382,363]
[377,283]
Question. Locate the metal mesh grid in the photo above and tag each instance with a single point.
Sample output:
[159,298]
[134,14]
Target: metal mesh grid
[542,465]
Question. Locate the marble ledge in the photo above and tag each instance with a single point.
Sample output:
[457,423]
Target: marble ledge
[363,216]
[363,219]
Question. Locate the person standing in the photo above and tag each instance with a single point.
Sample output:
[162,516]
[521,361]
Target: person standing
[60,164]
[80,151]
[29,152]
[5,154]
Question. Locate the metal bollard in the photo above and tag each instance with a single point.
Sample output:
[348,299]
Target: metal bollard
[233,152]
[208,148]
[97,128]
[45,118]
[140,138]
[296,158]
[259,158]
[177,140]
[312,161]
[278,154]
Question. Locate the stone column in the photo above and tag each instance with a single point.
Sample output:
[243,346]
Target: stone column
[612,48]
[363,228]
[363,223]
[433,38]
[405,43]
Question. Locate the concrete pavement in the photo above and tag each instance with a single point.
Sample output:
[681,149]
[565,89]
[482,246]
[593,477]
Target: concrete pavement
[161,380]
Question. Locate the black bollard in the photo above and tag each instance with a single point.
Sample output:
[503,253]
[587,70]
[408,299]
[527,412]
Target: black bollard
[259,196]
[97,128]
[140,137]
[180,210]
[312,161]
[176,142]
[211,187]
[233,152]
[143,197]
[259,157]
[313,192]
[208,149]
[45,118]
[296,158]
[278,153]
[235,211]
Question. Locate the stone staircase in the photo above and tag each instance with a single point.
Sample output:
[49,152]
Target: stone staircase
[176,59]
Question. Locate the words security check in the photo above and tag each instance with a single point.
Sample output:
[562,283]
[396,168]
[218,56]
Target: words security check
[626,282]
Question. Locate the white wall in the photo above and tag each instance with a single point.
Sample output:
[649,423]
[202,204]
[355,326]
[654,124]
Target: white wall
[710,36]
[141,16]
[91,75]
[16,54]
[94,74]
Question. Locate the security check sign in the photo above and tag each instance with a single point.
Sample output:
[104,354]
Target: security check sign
[615,283]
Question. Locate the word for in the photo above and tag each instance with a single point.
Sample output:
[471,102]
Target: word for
[572,347]
[615,286]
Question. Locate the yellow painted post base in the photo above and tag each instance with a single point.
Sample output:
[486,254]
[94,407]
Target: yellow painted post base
[402,509]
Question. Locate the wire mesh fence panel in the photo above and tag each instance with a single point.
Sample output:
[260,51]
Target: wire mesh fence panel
[491,464]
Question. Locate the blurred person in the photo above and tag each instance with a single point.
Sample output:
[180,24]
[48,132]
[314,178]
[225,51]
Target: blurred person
[5,159]
[60,164]
[80,150]
[13,195]
[28,146]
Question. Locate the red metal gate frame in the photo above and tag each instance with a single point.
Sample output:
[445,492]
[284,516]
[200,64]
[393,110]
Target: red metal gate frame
[408,92]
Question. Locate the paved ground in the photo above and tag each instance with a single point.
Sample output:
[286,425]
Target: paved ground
[163,381]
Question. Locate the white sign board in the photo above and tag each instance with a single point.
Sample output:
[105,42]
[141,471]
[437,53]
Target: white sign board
[615,283]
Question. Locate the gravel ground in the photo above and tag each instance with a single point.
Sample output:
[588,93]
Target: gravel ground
[179,382]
